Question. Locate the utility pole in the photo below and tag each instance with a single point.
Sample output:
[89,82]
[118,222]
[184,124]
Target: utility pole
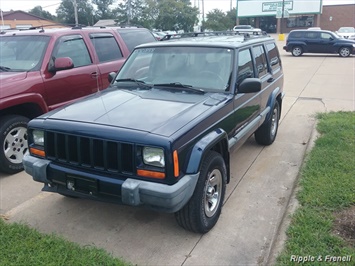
[75,12]
[203,12]
[129,12]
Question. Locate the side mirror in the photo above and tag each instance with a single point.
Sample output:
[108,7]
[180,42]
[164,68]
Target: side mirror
[250,85]
[111,76]
[61,63]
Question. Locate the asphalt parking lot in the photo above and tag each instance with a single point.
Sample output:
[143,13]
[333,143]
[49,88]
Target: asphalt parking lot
[257,198]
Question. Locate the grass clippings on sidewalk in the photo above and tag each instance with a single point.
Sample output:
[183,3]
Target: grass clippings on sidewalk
[322,230]
[21,245]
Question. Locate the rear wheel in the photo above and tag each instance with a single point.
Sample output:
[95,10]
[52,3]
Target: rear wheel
[344,52]
[266,134]
[202,211]
[297,51]
[13,139]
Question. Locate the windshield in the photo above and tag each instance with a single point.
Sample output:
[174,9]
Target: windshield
[202,67]
[21,53]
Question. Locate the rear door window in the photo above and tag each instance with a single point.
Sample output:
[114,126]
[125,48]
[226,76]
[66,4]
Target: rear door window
[106,47]
[260,60]
[273,55]
[296,34]
[132,38]
[311,35]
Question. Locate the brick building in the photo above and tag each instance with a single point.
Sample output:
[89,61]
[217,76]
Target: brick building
[21,20]
[336,16]
[284,16]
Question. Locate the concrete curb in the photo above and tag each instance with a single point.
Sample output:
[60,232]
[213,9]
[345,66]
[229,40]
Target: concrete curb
[292,205]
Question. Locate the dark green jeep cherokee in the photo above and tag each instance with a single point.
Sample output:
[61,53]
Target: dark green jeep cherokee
[161,135]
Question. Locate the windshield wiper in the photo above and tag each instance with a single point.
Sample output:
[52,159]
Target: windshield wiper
[137,81]
[180,86]
[4,68]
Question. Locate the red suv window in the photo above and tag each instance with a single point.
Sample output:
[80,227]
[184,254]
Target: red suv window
[106,47]
[73,46]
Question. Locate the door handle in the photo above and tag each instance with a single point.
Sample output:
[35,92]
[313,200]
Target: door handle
[270,80]
[94,75]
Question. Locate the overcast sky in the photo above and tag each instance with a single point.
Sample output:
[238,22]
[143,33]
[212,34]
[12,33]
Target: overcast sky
[52,5]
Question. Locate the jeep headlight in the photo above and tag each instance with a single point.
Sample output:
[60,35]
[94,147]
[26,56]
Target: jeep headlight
[38,137]
[153,156]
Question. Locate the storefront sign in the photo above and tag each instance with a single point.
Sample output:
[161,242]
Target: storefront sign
[273,6]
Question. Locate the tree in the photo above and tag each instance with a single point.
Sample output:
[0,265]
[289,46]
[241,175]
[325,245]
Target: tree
[176,15]
[103,9]
[130,12]
[216,20]
[65,12]
[38,11]
[231,18]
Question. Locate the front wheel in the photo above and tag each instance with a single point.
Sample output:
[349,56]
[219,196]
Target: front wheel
[297,51]
[13,139]
[266,133]
[202,211]
[344,52]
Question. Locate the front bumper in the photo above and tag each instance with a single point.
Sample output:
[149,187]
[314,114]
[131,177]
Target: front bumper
[156,196]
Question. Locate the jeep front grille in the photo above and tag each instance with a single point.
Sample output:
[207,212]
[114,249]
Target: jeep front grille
[91,153]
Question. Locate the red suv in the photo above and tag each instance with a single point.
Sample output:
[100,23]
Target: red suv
[42,69]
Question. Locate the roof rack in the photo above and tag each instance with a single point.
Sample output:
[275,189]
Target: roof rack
[213,33]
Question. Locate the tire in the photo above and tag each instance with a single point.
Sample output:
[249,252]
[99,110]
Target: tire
[13,139]
[202,211]
[344,51]
[266,133]
[297,51]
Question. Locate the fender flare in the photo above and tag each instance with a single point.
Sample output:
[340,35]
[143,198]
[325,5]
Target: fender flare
[302,44]
[272,99]
[24,99]
[201,148]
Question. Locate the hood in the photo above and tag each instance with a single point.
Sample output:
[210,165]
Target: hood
[157,111]
[10,77]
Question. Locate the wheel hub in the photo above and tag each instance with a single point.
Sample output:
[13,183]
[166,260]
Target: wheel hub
[15,144]
[213,192]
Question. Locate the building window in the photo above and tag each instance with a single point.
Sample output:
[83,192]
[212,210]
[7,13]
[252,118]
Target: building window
[23,26]
[300,21]
[5,27]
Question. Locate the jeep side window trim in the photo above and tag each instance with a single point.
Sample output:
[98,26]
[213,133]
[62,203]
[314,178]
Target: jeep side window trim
[245,66]
[273,56]
[260,60]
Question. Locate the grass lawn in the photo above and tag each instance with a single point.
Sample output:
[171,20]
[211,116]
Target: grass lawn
[21,245]
[322,230]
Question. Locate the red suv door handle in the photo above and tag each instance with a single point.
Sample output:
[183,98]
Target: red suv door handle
[94,75]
